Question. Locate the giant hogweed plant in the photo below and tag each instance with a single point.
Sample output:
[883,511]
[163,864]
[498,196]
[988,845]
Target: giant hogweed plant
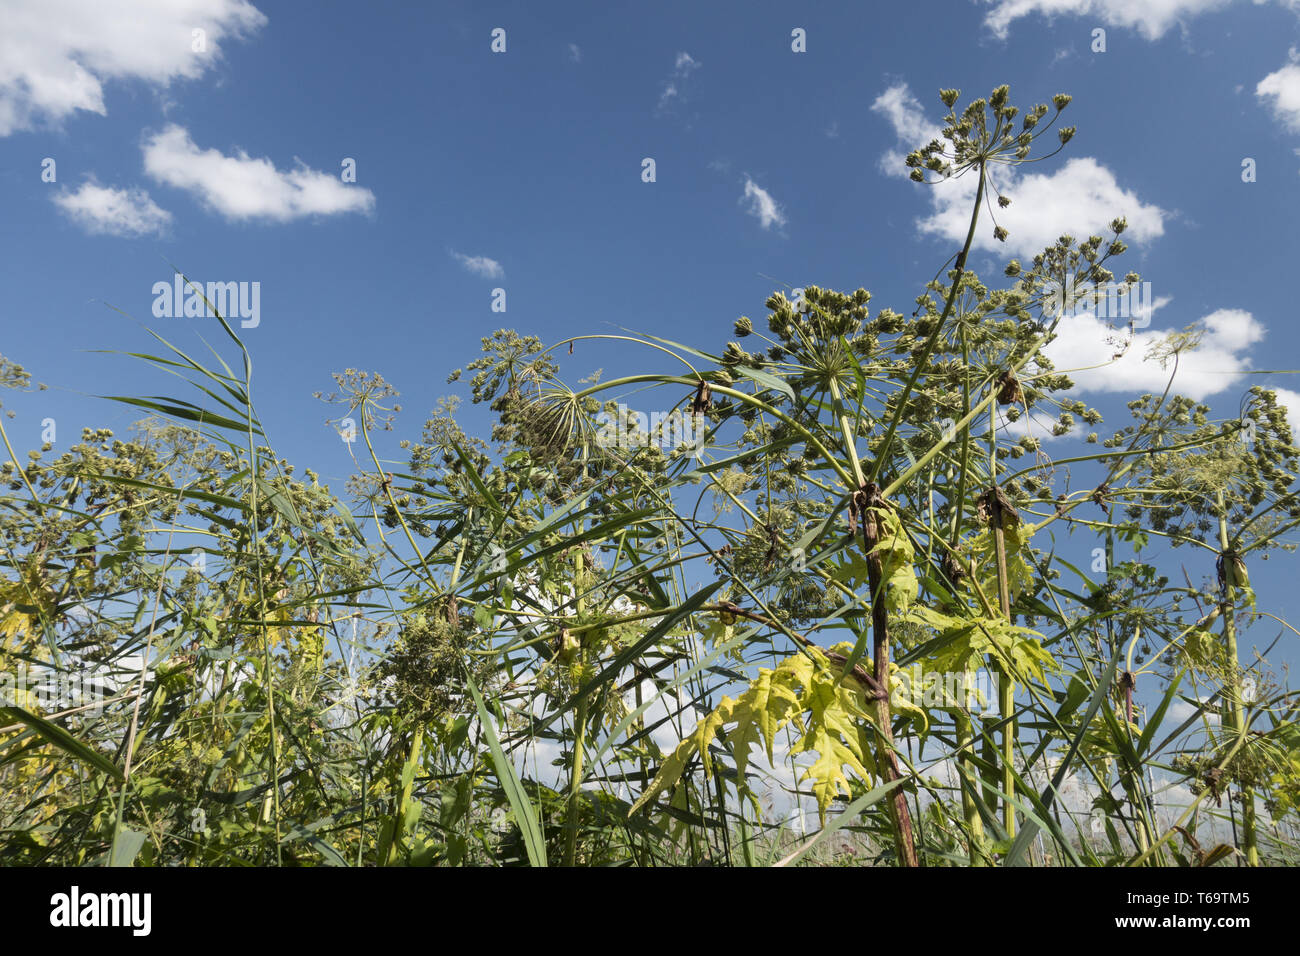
[479,659]
[833,410]
[828,417]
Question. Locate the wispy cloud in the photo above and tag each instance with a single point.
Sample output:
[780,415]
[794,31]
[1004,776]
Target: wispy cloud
[674,87]
[104,210]
[56,55]
[758,202]
[1151,19]
[240,187]
[575,53]
[904,112]
[1280,89]
[480,265]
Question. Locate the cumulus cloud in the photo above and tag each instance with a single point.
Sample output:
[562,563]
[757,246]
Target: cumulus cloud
[1080,198]
[758,202]
[240,187]
[56,55]
[480,265]
[104,210]
[1281,90]
[1085,348]
[1291,400]
[674,86]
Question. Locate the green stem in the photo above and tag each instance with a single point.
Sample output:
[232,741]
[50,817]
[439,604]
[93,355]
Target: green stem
[575,779]
[1006,686]
[969,774]
[850,439]
[580,730]
[1236,711]
[398,825]
[933,341]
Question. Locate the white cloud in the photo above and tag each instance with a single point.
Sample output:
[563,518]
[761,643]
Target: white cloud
[103,210]
[1080,198]
[480,265]
[1282,87]
[674,87]
[1181,710]
[575,53]
[56,55]
[240,187]
[760,204]
[1085,347]
[1142,312]
[1037,424]
[899,105]
[1151,18]
[1291,400]
[904,112]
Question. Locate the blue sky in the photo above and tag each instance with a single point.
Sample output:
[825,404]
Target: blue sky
[522,170]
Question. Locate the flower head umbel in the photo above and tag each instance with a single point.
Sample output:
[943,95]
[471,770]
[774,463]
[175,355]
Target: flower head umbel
[984,133]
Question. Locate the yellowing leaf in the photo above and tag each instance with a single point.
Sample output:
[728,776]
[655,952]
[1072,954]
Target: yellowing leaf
[896,558]
[1020,575]
[804,691]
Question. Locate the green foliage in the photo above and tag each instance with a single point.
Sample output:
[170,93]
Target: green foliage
[493,650]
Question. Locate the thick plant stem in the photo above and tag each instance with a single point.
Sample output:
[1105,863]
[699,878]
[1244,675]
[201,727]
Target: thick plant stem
[575,784]
[1236,722]
[865,500]
[899,813]
[1006,687]
[968,771]
[1006,704]
[580,729]
[965,731]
